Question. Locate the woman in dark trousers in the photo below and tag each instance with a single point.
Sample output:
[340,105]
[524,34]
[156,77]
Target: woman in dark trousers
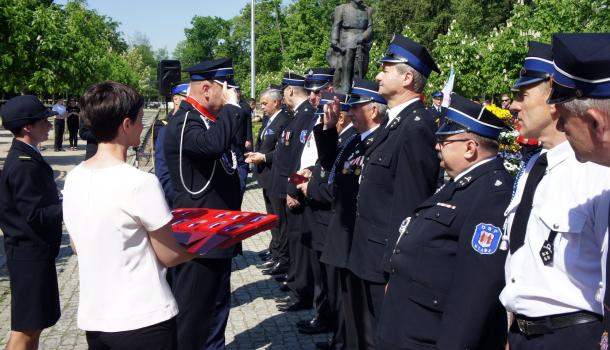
[73,123]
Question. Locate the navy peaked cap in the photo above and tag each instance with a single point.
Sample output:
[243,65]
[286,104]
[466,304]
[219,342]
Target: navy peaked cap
[219,70]
[581,66]
[292,79]
[22,110]
[405,50]
[466,116]
[365,91]
[538,65]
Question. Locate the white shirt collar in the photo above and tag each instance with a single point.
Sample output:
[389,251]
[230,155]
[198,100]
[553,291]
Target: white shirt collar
[558,154]
[344,129]
[364,135]
[394,111]
[474,166]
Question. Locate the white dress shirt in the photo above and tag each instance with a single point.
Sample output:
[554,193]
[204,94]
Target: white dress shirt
[572,199]
[395,111]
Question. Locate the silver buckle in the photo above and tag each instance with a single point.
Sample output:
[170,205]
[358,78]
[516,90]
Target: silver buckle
[523,326]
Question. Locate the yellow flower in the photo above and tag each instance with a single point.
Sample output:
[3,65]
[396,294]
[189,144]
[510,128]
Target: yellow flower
[503,114]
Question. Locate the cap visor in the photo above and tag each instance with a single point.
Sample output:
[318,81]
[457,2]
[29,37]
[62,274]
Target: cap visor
[560,94]
[524,81]
[450,128]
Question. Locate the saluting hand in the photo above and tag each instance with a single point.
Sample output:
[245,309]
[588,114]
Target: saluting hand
[331,114]
[229,95]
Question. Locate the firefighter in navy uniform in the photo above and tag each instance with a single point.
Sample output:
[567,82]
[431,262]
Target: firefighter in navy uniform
[317,215]
[400,171]
[447,266]
[178,93]
[203,170]
[437,111]
[343,161]
[30,218]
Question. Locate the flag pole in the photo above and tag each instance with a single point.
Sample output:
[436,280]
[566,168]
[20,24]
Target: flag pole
[252,47]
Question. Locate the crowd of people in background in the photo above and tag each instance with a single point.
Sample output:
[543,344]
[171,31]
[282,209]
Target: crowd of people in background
[397,223]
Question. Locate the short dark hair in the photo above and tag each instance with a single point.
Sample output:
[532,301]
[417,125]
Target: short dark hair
[105,105]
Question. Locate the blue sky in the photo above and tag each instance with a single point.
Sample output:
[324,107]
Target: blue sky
[163,22]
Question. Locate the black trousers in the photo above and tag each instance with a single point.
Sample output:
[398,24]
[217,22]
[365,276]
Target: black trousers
[335,305]
[160,336]
[275,231]
[60,126]
[73,131]
[201,288]
[362,306]
[280,245]
[582,337]
[300,278]
[320,290]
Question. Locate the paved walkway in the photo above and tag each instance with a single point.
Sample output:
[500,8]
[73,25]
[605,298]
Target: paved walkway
[254,321]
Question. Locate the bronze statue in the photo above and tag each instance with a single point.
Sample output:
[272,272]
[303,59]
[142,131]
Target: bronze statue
[351,39]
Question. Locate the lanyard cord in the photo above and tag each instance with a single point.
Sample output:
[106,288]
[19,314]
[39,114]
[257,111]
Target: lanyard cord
[180,164]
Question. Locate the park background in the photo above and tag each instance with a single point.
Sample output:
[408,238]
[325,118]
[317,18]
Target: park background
[58,50]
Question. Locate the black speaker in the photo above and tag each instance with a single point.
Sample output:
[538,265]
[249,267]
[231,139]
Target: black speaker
[168,73]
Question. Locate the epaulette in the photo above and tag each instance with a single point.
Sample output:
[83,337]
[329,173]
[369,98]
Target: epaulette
[25,157]
[498,182]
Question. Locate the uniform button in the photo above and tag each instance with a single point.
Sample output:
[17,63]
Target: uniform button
[435,302]
[512,280]
[555,226]
[393,271]
[357,214]
[416,214]
[437,215]
[397,251]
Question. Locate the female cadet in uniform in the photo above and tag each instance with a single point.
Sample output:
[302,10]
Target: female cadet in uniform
[120,225]
[30,218]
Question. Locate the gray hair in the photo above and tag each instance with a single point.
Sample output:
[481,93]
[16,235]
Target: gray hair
[380,107]
[419,81]
[580,106]
[273,94]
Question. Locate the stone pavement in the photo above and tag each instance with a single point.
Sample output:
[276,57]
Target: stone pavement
[254,322]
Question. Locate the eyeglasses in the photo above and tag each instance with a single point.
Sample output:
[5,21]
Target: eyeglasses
[507,100]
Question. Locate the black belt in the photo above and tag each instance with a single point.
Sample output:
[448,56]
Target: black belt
[546,324]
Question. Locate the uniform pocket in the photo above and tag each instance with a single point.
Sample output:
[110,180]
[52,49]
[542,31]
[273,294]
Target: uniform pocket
[442,215]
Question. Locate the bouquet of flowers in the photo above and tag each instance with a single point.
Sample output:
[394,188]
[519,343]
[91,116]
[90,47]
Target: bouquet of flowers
[510,150]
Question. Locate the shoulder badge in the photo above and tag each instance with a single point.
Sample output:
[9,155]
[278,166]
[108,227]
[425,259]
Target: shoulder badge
[25,157]
[486,238]
[303,136]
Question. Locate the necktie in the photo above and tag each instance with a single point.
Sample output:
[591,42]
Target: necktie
[333,170]
[519,227]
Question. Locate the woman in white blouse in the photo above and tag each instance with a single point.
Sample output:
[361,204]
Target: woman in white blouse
[119,224]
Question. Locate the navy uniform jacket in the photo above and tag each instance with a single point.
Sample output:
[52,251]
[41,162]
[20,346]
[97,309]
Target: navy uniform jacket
[287,155]
[438,116]
[245,126]
[320,194]
[266,144]
[201,149]
[400,172]
[447,271]
[30,209]
[161,169]
[344,189]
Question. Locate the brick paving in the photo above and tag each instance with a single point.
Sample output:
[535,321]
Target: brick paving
[254,322]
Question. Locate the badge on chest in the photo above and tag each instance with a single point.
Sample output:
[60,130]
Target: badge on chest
[486,238]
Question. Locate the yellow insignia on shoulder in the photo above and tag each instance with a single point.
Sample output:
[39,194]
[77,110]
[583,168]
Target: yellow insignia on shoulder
[25,157]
